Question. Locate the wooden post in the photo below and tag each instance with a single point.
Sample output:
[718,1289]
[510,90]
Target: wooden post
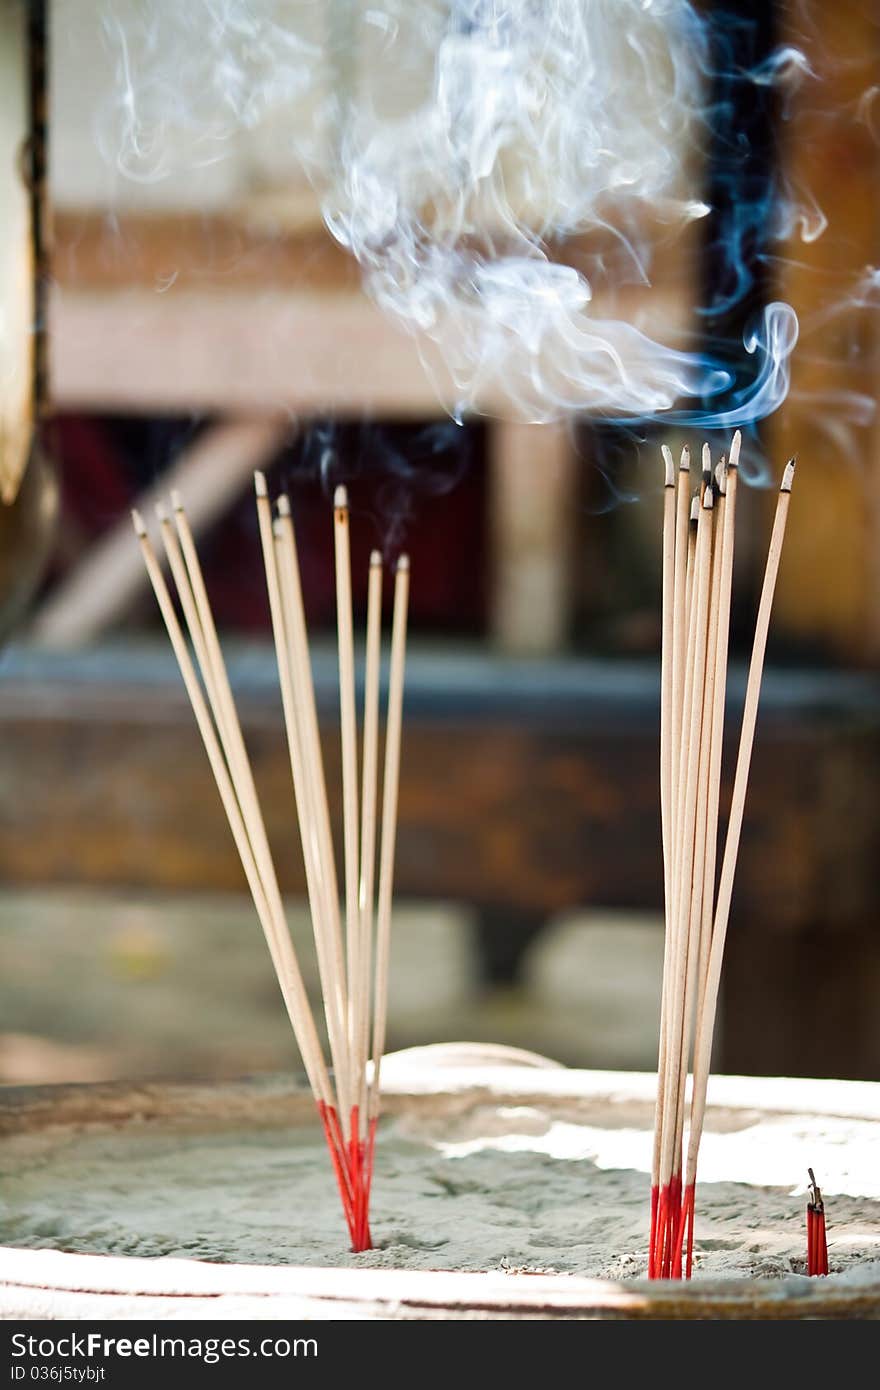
[829,593]
[532,500]
[16,254]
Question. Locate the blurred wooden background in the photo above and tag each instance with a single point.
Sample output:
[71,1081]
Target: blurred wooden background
[203,326]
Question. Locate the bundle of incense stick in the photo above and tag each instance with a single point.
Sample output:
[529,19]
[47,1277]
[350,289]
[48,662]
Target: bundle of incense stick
[698,539]
[817,1244]
[353,970]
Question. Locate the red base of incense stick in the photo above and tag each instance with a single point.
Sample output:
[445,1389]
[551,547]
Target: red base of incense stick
[652,1242]
[353,1167]
[358,1148]
[672,1231]
[817,1245]
[684,1229]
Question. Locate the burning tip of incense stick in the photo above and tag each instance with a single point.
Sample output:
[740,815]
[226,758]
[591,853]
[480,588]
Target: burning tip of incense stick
[138,522]
[685,462]
[403,563]
[707,460]
[176,500]
[375,558]
[340,498]
[670,466]
[788,475]
[260,487]
[161,512]
[708,495]
[695,510]
[721,475]
[283,505]
[736,444]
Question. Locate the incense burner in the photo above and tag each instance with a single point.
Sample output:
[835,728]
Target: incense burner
[501,1191]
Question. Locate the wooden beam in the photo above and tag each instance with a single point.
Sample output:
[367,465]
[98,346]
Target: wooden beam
[234,350]
[247,349]
[163,313]
[212,472]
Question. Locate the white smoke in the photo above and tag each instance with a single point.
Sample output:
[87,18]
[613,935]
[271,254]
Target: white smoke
[534,121]
[455,145]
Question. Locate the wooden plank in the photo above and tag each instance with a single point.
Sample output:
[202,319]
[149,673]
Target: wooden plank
[535,802]
[99,252]
[265,242]
[829,584]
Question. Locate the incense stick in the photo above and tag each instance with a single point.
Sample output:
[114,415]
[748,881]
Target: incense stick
[333,991]
[313,813]
[200,622]
[676,630]
[702,1055]
[345,975]
[666,650]
[682,514]
[666,792]
[305,707]
[692,728]
[345,970]
[694,829]
[670,1166]
[348,727]
[389,821]
[279,943]
[369,784]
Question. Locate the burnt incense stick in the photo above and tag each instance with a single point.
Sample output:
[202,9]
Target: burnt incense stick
[691,550]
